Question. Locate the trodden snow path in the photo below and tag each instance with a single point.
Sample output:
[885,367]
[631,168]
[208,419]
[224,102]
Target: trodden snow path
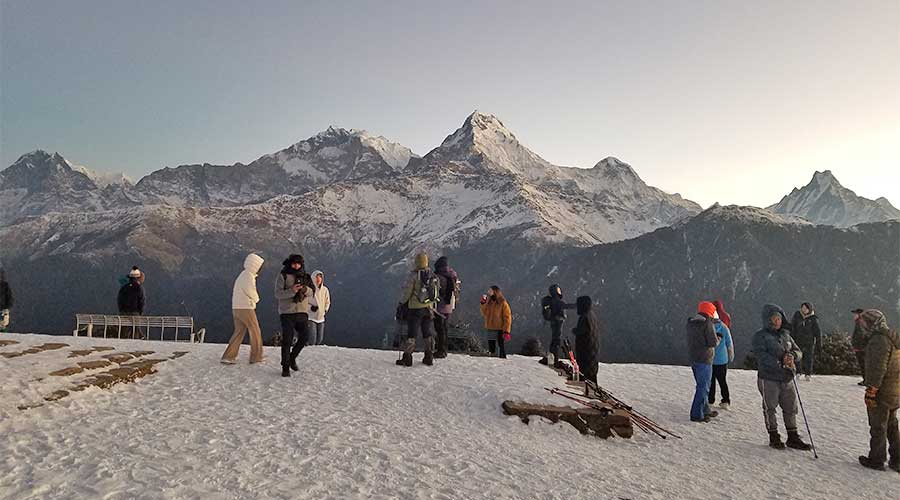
[351,424]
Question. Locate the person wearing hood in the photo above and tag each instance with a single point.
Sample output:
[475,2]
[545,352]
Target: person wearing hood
[294,289]
[319,304]
[6,301]
[776,358]
[244,298]
[702,342]
[416,296]
[723,357]
[882,391]
[587,339]
[555,313]
[449,281]
[805,330]
[497,319]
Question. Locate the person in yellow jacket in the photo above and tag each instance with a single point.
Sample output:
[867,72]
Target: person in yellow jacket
[497,319]
[421,292]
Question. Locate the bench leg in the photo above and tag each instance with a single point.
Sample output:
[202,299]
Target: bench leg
[90,330]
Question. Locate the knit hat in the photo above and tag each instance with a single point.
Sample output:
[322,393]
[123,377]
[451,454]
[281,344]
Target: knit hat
[421,260]
[294,258]
[707,308]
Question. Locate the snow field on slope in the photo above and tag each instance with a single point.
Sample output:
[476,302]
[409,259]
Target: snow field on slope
[351,424]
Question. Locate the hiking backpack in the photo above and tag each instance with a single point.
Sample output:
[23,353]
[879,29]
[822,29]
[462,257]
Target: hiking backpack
[547,307]
[427,287]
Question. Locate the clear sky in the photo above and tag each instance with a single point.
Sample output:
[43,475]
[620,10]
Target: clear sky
[729,101]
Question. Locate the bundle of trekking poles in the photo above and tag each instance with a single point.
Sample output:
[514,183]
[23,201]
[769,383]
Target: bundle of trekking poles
[594,393]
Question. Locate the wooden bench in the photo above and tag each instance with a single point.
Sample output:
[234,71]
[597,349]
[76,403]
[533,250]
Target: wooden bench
[114,326]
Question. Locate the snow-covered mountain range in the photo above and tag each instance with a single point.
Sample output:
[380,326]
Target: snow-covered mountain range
[825,201]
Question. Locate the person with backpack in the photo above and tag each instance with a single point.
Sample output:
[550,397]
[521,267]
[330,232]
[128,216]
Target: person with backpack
[882,391]
[724,355]
[6,301]
[702,342]
[587,339]
[805,330]
[421,292]
[319,304]
[449,282]
[497,320]
[776,357]
[553,308]
[244,298]
[293,291]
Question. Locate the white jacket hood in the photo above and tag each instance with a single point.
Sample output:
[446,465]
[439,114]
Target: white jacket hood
[253,263]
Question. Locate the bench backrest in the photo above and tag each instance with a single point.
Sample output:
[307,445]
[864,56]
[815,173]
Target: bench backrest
[111,326]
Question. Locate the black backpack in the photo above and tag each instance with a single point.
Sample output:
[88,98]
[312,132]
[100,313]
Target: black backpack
[547,307]
[427,288]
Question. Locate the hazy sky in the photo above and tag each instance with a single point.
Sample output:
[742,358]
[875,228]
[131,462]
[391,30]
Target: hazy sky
[735,102]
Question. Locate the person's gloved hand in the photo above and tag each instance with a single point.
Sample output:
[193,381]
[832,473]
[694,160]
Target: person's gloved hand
[313,308]
[506,336]
[788,362]
[871,394]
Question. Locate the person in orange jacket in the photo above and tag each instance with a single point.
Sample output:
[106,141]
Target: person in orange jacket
[497,319]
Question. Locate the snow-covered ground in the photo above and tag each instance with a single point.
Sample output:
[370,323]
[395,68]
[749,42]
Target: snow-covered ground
[351,424]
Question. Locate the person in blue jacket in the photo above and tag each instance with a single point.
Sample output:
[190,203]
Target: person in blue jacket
[724,355]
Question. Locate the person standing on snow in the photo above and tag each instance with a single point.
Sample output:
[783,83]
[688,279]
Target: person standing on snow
[293,291]
[882,391]
[6,301]
[554,311]
[244,298]
[723,356]
[858,342]
[497,320]
[587,339]
[776,357]
[702,342]
[449,282]
[724,317]
[805,330]
[421,291]
[319,304]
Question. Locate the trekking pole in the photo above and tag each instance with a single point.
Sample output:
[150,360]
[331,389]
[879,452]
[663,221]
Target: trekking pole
[811,443]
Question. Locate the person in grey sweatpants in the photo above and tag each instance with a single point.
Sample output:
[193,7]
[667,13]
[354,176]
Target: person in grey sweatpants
[776,358]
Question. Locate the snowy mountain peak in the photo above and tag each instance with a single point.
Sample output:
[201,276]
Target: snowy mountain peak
[825,201]
[613,168]
[102,179]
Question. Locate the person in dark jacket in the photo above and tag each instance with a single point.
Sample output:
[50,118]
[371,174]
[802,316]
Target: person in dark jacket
[702,342]
[858,342]
[6,301]
[805,330]
[776,358]
[557,318]
[587,339]
[449,296]
[882,391]
[131,296]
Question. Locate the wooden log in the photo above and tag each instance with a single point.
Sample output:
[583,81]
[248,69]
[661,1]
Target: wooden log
[600,422]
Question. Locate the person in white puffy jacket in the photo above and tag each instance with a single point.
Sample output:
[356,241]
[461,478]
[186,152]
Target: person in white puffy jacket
[244,298]
[320,303]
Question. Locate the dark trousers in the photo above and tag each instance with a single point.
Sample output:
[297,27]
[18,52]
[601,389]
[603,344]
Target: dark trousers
[496,342]
[807,363]
[861,361]
[419,322]
[884,433]
[719,374]
[441,323]
[291,324]
[555,334]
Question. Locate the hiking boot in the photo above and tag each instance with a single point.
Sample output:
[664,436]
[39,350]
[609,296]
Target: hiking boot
[406,360]
[725,406]
[559,364]
[794,441]
[543,361]
[226,361]
[865,462]
[861,383]
[894,466]
[428,360]
[294,365]
[704,419]
[440,354]
[775,441]
[285,371]
[712,414]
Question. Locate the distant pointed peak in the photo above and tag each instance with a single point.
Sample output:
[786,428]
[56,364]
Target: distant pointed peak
[36,154]
[825,178]
[614,167]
